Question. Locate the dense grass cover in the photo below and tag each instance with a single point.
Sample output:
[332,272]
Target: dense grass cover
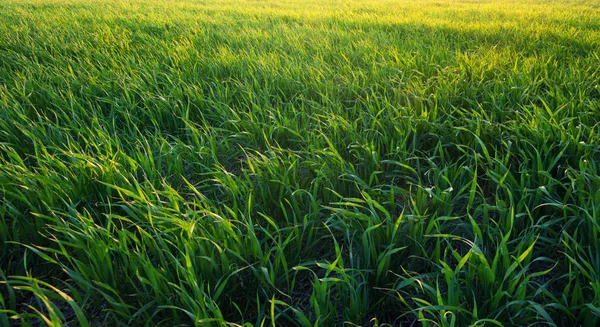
[300,163]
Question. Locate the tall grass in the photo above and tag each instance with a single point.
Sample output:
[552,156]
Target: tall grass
[299,163]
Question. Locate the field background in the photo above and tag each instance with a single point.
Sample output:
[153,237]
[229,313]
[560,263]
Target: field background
[300,163]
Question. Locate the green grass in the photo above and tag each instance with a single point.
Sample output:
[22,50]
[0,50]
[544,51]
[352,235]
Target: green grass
[300,163]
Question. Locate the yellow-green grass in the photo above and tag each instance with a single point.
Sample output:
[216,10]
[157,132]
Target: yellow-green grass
[299,163]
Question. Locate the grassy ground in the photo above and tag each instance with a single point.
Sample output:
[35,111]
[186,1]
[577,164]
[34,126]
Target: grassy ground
[300,163]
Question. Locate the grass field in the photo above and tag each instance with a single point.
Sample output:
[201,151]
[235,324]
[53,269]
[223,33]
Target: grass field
[300,163]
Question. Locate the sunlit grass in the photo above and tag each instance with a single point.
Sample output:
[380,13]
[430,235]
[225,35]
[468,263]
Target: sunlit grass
[299,163]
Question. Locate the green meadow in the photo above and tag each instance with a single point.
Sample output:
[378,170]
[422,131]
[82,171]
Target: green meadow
[299,163]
